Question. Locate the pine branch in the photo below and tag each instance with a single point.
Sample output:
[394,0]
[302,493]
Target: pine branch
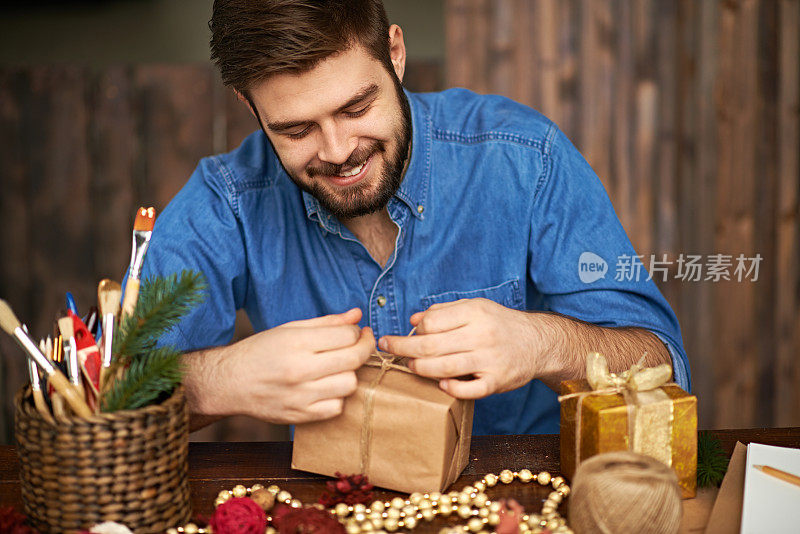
[712,462]
[163,301]
[148,377]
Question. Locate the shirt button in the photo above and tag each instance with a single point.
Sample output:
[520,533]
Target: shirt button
[381,301]
[420,208]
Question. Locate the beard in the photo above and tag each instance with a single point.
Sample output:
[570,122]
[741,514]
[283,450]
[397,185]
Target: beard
[364,197]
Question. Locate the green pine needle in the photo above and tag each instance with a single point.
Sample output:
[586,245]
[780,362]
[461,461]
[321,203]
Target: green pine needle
[148,376]
[712,462]
[145,371]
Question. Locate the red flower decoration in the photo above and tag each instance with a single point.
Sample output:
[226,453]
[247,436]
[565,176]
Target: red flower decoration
[13,522]
[305,520]
[352,489]
[239,515]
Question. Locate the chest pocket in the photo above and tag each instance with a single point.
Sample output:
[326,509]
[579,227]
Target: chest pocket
[507,294]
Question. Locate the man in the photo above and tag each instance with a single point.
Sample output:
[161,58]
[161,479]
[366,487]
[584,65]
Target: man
[360,211]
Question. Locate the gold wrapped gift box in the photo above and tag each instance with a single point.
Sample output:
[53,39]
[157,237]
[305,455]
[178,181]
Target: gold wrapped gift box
[400,429]
[664,428]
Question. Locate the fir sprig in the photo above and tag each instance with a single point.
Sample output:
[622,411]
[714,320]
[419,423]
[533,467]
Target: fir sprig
[712,462]
[142,370]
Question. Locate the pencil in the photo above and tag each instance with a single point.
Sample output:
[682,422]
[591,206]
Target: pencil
[777,473]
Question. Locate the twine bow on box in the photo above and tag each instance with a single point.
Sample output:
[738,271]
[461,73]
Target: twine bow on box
[650,414]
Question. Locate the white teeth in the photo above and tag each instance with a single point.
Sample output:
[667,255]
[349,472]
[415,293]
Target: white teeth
[352,172]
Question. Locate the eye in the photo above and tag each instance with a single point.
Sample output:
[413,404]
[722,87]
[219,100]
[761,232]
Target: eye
[299,135]
[357,113]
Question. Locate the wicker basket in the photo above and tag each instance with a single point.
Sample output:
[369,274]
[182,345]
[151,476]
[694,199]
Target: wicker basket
[128,466]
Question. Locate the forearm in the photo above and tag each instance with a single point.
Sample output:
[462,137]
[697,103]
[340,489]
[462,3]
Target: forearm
[204,386]
[566,342]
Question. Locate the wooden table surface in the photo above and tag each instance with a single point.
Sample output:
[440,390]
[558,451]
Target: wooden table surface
[217,466]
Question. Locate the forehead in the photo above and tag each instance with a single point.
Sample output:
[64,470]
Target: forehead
[323,89]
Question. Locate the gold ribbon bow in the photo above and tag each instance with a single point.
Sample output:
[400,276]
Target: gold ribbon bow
[640,388]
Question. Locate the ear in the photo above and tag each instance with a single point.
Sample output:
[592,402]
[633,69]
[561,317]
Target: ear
[243,99]
[397,50]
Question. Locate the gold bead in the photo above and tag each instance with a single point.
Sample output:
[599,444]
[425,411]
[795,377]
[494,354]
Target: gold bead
[506,476]
[224,495]
[256,487]
[172,531]
[284,496]
[548,508]
[495,507]
[552,524]
[359,508]
[480,500]
[391,524]
[410,522]
[475,524]
[271,530]
[555,497]
[219,502]
[239,490]
[464,498]
[393,513]
[295,503]
[435,496]
[341,509]
[352,528]
[415,497]
[523,527]
[377,523]
[557,482]
[490,479]
[534,520]
[464,511]
[480,486]
[453,496]
[525,475]
[543,478]
[445,509]
[493,519]
[564,490]
[377,506]
[409,510]
[483,512]
[367,526]
[424,504]
[263,498]
[360,517]
[428,514]
[190,528]
[398,503]
[467,489]
[273,489]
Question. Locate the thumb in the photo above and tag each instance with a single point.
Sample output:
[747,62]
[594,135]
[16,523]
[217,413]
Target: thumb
[351,316]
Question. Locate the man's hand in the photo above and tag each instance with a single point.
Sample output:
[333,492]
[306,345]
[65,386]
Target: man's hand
[504,349]
[297,372]
[499,346]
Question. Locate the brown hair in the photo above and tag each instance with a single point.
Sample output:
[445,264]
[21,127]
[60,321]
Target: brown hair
[254,39]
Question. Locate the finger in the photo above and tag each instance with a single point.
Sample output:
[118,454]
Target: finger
[466,389]
[346,359]
[320,410]
[417,317]
[443,317]
[325,338]
[450,366]
[351,316]
[426,345]
[336,386]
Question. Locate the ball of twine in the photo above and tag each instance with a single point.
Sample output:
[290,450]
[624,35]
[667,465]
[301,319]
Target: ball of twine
[625,492]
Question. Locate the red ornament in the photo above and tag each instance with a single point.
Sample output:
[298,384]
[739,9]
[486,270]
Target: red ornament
[305,520]
[239,515]
[13,522]
[351,489]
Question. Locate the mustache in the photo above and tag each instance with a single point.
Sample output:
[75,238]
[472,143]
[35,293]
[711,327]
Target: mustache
[359,156]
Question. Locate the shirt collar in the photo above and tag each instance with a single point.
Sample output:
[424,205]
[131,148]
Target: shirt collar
[413,191]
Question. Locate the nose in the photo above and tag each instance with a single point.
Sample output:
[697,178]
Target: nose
[336,143]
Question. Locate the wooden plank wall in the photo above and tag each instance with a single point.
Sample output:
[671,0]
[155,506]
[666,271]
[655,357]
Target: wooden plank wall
[689,113]
[80,150]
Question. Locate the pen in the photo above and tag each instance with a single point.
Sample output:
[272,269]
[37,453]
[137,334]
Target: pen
[777,473]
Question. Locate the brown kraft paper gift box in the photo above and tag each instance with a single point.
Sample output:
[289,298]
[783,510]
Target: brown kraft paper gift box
[416,437]
[670,427]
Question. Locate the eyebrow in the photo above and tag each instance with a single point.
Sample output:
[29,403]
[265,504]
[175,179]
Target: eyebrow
[362,95]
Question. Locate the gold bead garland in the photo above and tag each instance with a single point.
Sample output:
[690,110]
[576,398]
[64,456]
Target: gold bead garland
[471,504]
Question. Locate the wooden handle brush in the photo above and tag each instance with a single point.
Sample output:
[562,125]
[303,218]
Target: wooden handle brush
[142,232]
[108,296]
[36,389]
[12,326]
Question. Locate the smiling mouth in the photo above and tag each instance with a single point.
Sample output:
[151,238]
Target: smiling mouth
[351,176]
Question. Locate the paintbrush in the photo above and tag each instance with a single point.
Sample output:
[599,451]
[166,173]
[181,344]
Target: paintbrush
[71,352]
[142,231]
[108,295]
[12,326]
[36,389]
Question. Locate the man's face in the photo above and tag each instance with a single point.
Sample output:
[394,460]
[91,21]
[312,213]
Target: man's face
[341,130]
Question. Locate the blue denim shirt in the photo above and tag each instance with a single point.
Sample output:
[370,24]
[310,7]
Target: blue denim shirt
[496,203]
